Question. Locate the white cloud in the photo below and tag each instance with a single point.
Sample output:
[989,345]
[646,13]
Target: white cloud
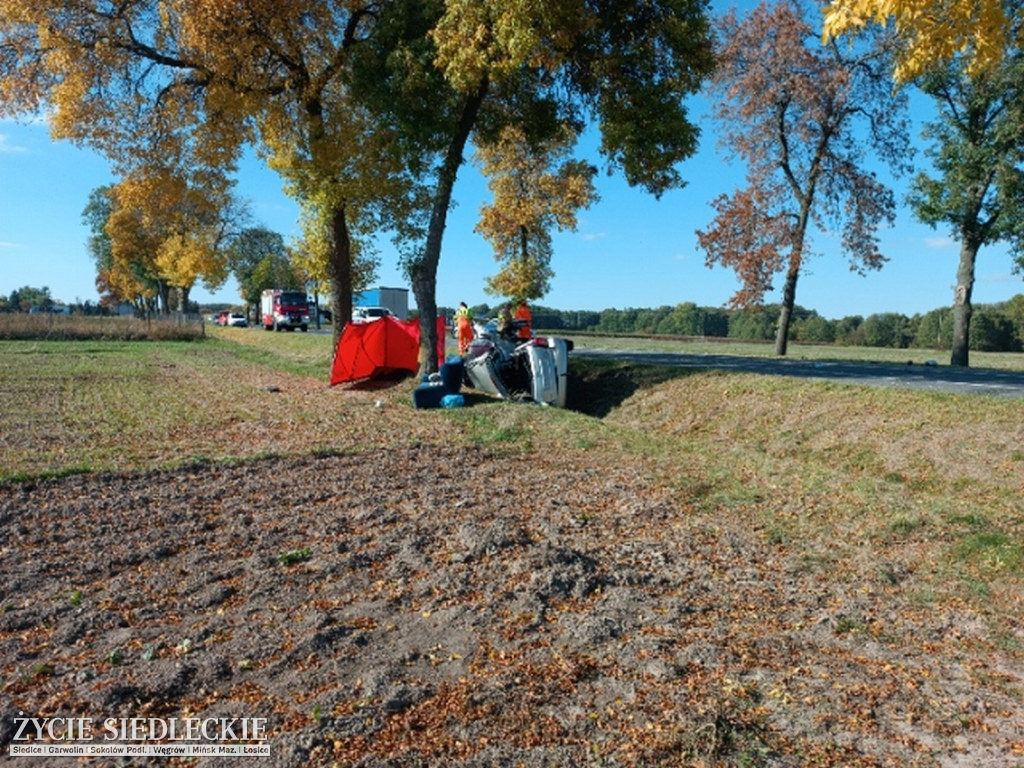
[939,242]
[999,277]
[6,147]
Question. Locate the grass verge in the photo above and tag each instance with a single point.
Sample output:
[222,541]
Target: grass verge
[846,475]
[21,326]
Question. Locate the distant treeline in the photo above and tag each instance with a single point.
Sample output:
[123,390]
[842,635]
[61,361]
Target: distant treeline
[994,327]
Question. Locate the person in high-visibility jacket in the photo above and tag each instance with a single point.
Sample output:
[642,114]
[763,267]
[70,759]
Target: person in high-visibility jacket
[463,327]
[526,319]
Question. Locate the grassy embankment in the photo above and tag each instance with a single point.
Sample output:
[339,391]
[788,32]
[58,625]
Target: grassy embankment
[847,474]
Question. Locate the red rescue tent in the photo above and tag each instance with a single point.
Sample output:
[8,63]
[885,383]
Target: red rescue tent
[376,350]
[367,352]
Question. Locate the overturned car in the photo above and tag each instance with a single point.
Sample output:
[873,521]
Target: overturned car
[501,364]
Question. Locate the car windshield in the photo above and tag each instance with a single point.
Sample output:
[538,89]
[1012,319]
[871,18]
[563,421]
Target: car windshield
[293,297]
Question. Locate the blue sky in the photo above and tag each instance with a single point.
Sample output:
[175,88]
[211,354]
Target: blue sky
[629,250]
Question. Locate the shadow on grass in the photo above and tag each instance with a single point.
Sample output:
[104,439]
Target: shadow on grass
[597,387]
[385,381]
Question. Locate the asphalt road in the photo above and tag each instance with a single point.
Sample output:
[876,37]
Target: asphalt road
[934,378]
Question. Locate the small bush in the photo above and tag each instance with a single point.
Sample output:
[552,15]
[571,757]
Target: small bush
[294,556]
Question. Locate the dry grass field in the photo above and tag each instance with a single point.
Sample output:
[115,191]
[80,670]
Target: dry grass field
[719,570]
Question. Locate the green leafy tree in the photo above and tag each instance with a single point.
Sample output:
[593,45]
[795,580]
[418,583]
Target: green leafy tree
[274,270]
[816,329]
[992,330]
[886,329]
[934,329]
[684,320]
[482,65]
[1014,309]
[802,117]
[752,323]
[259,259]
[95,216]
[977,190]
[716,321]
[27,298]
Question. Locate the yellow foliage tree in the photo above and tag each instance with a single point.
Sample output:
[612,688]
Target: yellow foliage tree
[333,93]
[536,188]
[144,79]
[172,230]
[626,65]
[310,252]
[931,31]
[133,275]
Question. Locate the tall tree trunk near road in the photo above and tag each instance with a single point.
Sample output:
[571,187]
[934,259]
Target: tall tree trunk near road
[788,302]
[339,271]
[423,272]
[962,303]
[793,272]
[800,115]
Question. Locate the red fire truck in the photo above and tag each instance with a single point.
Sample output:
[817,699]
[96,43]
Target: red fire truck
[284,310]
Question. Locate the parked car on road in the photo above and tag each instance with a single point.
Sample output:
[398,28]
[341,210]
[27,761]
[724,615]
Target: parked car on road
[370,314]
[226,317]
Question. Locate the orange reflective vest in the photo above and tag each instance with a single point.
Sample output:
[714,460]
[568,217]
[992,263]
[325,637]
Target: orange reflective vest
[523,313]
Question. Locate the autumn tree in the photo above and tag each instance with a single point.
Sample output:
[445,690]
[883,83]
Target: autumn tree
[536,188]
[145,78]
[802,117]
[158,232]
[977,150]
[365,108]
[124,249]
[482,65]
[195,216]
[341,164]
[309,250]
[133,276]
[932,31]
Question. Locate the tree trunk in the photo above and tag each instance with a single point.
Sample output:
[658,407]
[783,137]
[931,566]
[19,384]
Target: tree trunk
[339,271]
[962,303]
[788,302]
[164,293]
[423,272]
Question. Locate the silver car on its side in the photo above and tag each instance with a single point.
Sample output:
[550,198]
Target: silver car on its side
[504,366]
